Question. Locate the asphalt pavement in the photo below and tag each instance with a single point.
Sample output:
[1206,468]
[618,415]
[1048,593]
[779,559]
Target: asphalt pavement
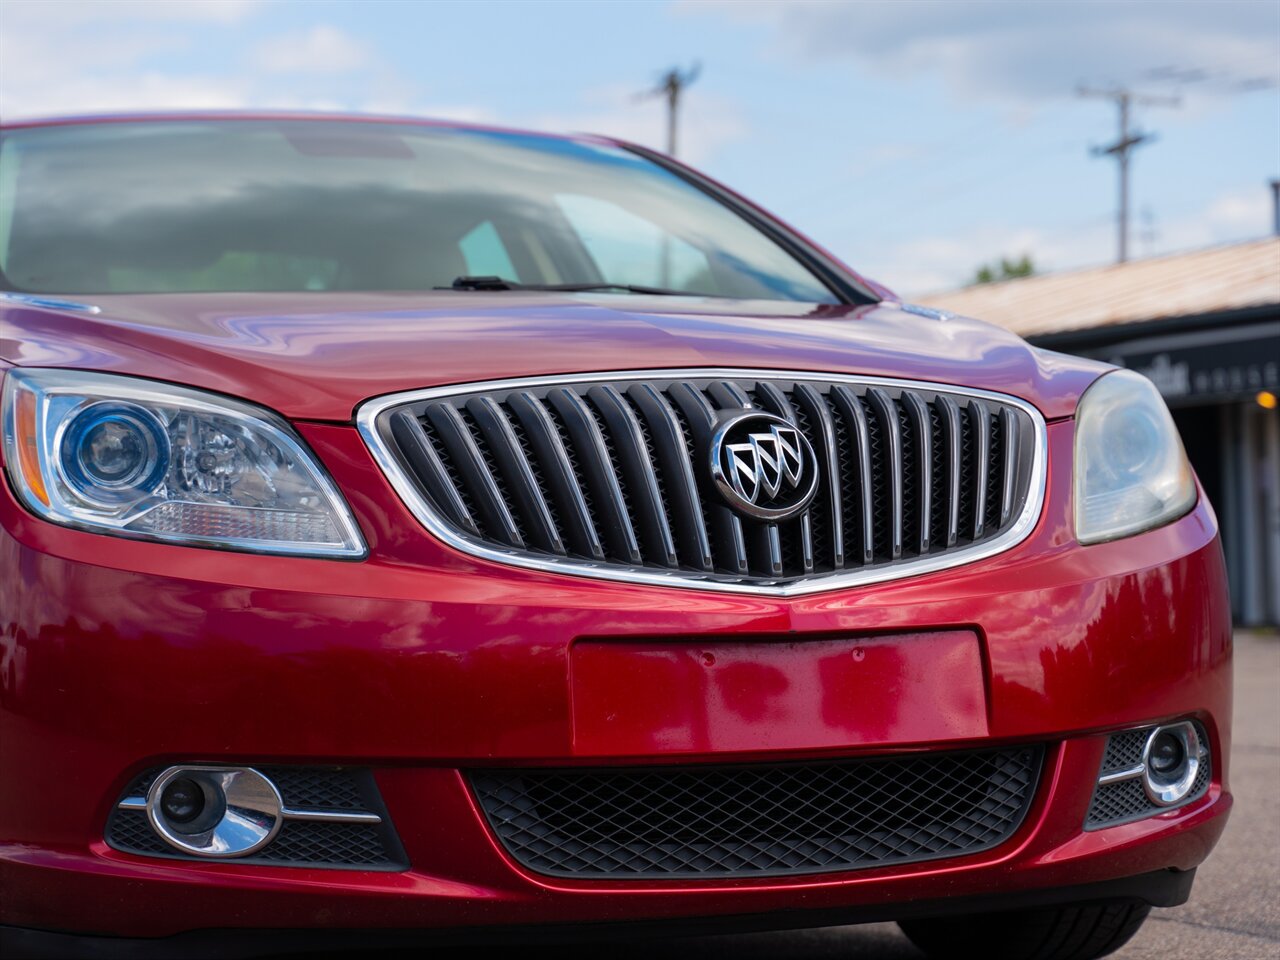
[1233,914]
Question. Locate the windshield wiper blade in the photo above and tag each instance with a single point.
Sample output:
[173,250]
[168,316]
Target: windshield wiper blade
[497,283]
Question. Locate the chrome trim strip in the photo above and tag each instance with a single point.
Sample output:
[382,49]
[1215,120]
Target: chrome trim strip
[330,816]
[367,415]
[1116,776]
[139,804]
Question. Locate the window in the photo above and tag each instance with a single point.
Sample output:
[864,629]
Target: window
[299,205]
[627,248]
[485,255]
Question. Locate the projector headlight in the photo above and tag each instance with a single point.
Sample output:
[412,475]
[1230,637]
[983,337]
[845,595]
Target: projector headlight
[151,461]
[1131,473]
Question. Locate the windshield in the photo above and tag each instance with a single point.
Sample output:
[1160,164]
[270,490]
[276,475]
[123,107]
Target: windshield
[313,205]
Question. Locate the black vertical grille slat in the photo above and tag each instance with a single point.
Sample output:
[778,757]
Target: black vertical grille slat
[560,477]
[995,472]
[650,512]
[776,402]
[824,444]
[470,462]
[431,470]
[517,474]
[980,431]
[952,429]
[920,470]
[616,472]
[599,473]
[890,470]
[670,449]
[764,541]
[938,486]
[1009,480]
[729,546]
[855,420]
[881,510]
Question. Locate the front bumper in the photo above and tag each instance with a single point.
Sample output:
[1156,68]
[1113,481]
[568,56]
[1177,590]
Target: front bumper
[118,656]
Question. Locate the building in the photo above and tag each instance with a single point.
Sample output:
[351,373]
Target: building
[1205,327]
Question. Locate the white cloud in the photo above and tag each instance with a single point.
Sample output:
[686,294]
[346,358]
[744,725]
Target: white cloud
[94,56]
[931,264]
[80,57]
[71,12]
[1022,51]
[322,49]
[707,122]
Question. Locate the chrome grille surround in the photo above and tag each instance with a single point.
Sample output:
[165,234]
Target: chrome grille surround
[373,420]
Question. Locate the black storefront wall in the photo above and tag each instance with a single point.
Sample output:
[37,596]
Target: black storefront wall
[1211,371]
[1206,366]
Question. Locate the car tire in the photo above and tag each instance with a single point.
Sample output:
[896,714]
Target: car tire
[1076,932]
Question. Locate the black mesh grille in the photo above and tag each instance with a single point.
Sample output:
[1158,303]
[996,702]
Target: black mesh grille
[550,471]
[348,844]
[1124,750]
[299,842]
[698,821]
[1124,800]
[316,788]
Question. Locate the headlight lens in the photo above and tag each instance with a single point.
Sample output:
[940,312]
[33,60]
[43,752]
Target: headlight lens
[152,461]
[1131,473]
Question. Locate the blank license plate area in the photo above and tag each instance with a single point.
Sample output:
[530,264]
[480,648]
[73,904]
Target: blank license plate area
[676,697]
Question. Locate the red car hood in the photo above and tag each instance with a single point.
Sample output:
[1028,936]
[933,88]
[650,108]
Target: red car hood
[317,356]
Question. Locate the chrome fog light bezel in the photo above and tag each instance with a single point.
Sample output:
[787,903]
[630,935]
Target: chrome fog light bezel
[247,807]
[1166,791]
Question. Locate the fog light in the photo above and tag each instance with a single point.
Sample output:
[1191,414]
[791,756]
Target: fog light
[182,800]
[1171,760]
[214,811]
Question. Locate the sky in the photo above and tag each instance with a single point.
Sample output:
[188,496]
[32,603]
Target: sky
[916,140]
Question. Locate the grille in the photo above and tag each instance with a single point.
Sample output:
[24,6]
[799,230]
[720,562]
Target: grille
[612,476]
[1124,800]
[299,842]
[758,820]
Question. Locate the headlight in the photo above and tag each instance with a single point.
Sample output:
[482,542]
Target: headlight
[152,461]
[1131,473]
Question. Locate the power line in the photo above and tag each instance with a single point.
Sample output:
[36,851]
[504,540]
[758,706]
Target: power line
[1127,140]
[671,86]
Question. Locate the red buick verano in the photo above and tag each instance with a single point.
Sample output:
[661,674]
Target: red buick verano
[418,531]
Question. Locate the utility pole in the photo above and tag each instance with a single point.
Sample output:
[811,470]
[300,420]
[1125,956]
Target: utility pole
[672,84]
[1125,142]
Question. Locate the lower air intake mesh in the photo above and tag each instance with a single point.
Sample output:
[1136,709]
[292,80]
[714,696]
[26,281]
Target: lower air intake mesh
[741,821]
[372,846]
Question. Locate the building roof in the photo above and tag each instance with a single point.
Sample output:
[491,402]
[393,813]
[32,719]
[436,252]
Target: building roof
[1187,284]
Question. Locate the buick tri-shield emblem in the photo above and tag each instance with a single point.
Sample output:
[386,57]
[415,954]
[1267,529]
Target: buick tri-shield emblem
[763,466]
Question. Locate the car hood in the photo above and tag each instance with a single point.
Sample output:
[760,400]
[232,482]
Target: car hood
[318,356]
